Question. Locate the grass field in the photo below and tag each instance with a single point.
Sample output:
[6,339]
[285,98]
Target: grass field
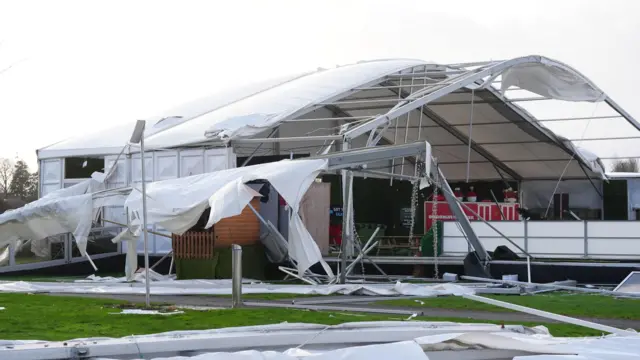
[62,318]
[580,305]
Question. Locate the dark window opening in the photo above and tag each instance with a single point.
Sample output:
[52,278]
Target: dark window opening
[82,168]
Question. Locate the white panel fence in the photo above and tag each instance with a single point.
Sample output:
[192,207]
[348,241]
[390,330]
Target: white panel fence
[551,239]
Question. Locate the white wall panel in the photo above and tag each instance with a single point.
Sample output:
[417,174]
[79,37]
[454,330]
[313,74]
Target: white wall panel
[120,174]
[136,168]
[165,165]
[454,242]
[52,171]
[219,159]
[613,229]
[50,176]
[556,246]
[614,248]
[191,162]
[560,229]
[508,228]
[554,239]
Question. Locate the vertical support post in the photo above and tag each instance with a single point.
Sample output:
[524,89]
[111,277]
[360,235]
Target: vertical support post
[68,248]
[529,269]
[147,297]
[586,239]
[346,224]
[526,235]
[12,253]
[236,276]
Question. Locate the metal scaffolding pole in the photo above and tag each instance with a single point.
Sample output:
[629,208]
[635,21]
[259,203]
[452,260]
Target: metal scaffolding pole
[347,176]
[462,219]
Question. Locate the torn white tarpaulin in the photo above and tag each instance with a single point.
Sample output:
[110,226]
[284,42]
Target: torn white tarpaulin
[214,287]
[177,204]
[67,210]
[552,80]
[540,346]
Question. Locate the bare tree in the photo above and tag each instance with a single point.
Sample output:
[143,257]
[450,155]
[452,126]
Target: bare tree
[626,165]
[6,174]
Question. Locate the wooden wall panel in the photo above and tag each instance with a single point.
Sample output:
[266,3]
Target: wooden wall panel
[314,211]
[243,229]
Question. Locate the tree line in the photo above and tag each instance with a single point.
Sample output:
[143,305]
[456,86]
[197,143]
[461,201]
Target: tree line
[626,165]
[17,182]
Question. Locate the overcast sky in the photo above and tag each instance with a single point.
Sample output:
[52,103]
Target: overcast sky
[82,66]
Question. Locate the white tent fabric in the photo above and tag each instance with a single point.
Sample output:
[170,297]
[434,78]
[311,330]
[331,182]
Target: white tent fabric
[177,204]
[551,80]
[223,287]
[504,136]
[255,114]
[111,141]
[69,210]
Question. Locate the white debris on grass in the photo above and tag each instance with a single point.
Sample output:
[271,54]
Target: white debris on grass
[223,287]
[147,312]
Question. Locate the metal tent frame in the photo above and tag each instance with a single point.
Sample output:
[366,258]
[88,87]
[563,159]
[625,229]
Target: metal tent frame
[456,108]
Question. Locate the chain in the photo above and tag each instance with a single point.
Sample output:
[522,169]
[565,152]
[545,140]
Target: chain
[356,240]
[434,225]
[414,203]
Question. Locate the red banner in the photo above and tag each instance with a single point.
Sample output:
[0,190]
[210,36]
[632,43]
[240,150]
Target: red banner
[488,211]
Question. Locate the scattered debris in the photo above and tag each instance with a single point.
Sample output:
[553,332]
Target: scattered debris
[199,308]
[147,312]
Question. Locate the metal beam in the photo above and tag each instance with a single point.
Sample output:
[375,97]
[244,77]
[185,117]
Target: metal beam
[623,113]
[506,161]
[342,113]
[353,158]
[288,139]
[461,217]
[437,91]
[435,103]
[552,316]
[532,127]
[465,139]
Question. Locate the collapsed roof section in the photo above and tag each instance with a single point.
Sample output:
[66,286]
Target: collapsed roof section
[476,131]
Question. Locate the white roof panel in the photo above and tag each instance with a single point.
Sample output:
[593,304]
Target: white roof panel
[505,139]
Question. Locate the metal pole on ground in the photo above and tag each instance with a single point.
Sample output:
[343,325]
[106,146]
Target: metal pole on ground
[236,276]
[552,316]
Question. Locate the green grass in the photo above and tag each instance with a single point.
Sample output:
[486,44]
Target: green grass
[49,278]
[569,304]
[62,318]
